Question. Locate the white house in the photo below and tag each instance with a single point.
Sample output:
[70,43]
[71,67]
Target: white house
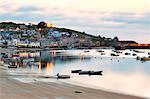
[56,34]
[34,44]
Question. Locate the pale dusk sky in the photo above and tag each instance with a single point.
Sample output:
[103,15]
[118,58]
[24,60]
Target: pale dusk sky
[126,19]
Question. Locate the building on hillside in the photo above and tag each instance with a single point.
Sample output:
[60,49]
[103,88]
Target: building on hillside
[56,34]
[45,43]
[85,42]
[23,27]
[22,44]
[126,43]
[34,44]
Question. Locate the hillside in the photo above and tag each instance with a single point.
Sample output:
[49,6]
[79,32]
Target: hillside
[42,25]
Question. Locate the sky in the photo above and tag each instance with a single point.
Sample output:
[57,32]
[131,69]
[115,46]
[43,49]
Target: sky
[126,19]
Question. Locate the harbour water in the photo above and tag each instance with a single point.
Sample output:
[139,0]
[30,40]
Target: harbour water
[123,73]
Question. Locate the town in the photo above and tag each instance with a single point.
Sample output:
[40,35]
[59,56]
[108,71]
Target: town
[44,35]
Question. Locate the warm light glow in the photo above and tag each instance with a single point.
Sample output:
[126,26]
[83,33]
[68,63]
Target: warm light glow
[25,54]
[50,25]
[49,68]
[40,69]
[139,45]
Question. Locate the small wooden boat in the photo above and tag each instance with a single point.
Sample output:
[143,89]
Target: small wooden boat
[77,92]
[112,54]
[137,58]
[86,51]
[84,72]
[96,73]
[101,51]
[12,66]
[63,76]
[116,51]
[138,51]
[134,54]
[90,73]
[127,53]
[145,59]
[76,71]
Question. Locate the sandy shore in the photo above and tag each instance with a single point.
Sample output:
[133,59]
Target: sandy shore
[12,89]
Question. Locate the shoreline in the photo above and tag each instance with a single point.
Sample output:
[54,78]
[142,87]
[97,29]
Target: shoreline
[51,90]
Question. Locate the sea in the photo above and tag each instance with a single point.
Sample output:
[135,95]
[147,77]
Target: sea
[122,72]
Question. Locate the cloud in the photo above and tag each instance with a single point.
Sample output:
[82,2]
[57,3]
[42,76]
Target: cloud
[129,18]
[29,9]
[5,6]
[109,18]
[92,12]
[125,30]
[31,17]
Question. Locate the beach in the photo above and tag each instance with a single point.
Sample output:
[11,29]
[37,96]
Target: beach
[13,89]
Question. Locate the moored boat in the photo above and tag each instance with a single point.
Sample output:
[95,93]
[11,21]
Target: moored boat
[76,71]
[12,66]
[96,73]
[63,76]
[86,51]
[84,72]
[90,73]
[145,59]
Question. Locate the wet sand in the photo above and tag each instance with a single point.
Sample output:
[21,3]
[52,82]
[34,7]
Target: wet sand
[13,89]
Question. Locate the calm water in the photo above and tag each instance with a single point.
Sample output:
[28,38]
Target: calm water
[125,75]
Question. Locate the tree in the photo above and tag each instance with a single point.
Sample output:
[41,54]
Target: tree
[42,24]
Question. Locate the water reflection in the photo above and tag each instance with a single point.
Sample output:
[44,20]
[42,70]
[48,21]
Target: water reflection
[45,62]
[49,68]
[39,68]
[52,62]
[120,74]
